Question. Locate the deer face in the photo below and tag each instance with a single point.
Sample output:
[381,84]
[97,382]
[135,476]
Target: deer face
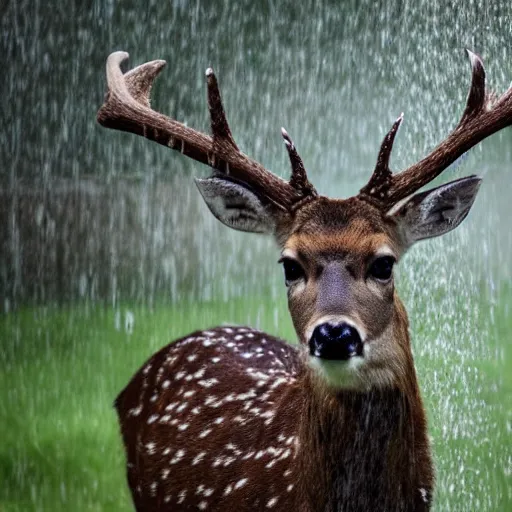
[338,258]
[338,265]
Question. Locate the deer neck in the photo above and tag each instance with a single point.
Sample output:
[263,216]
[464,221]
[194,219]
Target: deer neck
[364,450]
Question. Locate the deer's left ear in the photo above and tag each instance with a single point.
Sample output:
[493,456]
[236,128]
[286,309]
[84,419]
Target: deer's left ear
[436,211]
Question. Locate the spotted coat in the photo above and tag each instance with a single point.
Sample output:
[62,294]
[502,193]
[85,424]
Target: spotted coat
[195,443]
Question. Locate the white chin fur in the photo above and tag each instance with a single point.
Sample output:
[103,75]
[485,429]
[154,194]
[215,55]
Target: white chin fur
[358,373]
[339,374]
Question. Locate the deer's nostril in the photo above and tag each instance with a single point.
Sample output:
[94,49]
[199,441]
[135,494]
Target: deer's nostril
[335,341]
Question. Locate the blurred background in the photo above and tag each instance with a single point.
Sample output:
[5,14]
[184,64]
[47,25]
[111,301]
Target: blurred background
[107,251]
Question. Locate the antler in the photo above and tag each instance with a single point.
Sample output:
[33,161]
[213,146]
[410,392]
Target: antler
[127,108]
[484,115]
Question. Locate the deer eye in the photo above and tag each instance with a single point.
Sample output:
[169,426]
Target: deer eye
[292,270]
[382,268]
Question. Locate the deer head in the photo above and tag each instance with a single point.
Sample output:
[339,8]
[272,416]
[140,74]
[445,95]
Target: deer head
[338,254]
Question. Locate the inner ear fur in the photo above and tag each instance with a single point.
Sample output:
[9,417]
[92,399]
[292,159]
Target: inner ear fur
[236,205]
[436,211]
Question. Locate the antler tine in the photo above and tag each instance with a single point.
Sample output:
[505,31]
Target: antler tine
[476,96]
[220,127]
[127,108]
[299,178]
[133,86]
[382,174]
[483,116]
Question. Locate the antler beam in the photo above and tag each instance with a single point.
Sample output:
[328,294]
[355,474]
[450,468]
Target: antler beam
[127,108]
[484,115]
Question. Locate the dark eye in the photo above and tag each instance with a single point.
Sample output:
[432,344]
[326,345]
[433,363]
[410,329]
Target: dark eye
[382,268]
[292,270]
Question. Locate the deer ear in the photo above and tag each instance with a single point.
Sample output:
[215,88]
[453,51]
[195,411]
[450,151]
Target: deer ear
[235,205]
[436,211]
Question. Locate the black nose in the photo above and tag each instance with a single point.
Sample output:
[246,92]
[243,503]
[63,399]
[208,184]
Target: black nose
[335,341]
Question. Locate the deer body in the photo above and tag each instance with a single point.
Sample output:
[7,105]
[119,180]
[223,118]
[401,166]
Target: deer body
[233,419]
[276,443]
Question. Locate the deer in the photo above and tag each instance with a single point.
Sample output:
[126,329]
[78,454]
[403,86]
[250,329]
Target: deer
[233,419]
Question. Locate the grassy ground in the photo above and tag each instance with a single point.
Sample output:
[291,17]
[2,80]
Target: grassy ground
[62,368]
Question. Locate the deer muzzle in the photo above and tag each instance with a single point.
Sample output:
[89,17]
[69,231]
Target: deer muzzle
[335,341]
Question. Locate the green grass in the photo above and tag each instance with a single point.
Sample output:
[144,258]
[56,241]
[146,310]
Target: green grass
[62,368]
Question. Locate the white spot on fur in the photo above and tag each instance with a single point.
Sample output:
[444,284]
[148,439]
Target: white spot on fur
[204,433]
[208,383]
[278,382]
[210,399]
[200,372]
[271,502]
[244,396]
[152,418]
[198,458]
[177,456]
[269,415]
[135,411]
[241,483]
[285,454]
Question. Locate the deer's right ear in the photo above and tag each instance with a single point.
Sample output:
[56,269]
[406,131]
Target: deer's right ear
[235,205]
